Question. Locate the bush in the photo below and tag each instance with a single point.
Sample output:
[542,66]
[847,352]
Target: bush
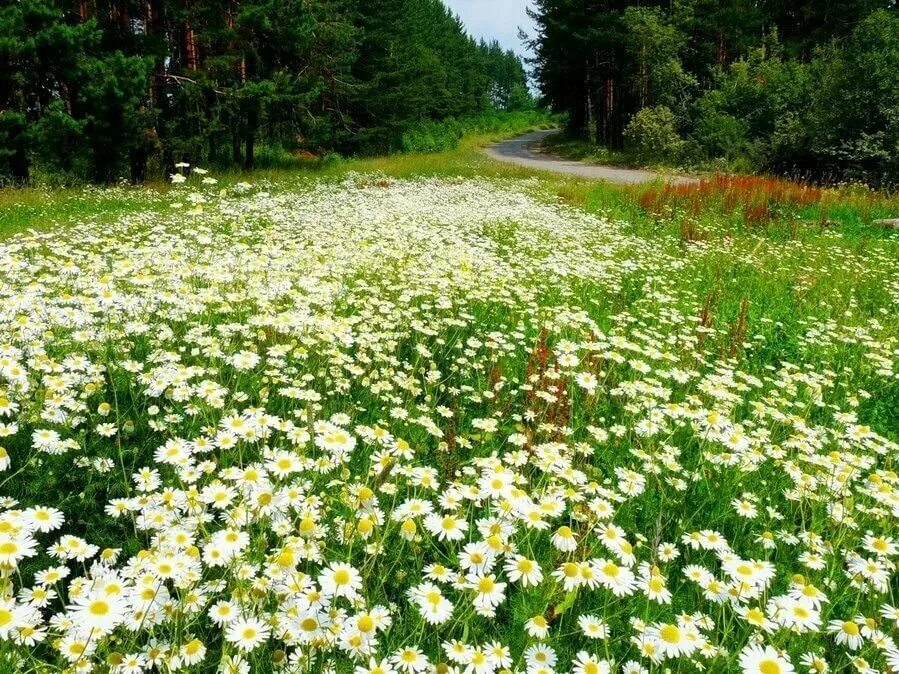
[720,134]
[856,109]
[652,135]
[429,136]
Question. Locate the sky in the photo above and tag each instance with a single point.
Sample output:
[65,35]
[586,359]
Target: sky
[498,19]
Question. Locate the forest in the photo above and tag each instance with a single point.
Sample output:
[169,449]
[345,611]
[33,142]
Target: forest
[107,89]
[807,88]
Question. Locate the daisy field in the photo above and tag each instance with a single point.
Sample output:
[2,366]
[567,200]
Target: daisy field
[367,424]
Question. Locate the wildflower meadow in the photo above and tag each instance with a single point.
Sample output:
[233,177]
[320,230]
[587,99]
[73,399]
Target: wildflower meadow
[368,424]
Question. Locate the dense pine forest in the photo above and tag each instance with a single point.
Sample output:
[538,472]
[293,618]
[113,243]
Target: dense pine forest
[806,87]
[104,89]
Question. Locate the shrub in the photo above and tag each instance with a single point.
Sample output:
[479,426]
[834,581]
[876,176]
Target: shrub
[652,135]
[720,134]
[429,136]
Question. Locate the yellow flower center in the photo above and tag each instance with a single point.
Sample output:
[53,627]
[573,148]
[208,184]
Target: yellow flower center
[98,608]
[485,585]
[769,667]
[670,634]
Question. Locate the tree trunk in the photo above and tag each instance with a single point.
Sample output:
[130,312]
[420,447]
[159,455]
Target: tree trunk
[168,160]
[153,25]
[236,155]
[250,136]
[189,46]
[250,158]
[84,9]
[589,107]
[609,131]
[644,77]
[137,159]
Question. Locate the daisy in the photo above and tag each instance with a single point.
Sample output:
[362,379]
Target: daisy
[340,580]
[672,641]
[846,633]
[434,607]
[98,613]
[222,613]
[632,667]
[564,539]
[192,652]
[45,519]
[477,557]
[410,660]
[247,634]
[619,579]
[593,627]
[890,613]
[520,569]
[375,667]
[500,656]
[446,527]
[584,663]
[570,575]
[539,655]
[758,659]
[490,592]
[14,549]
[815,664]
[537,627]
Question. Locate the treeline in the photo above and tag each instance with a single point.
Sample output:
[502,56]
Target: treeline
[807,87]
[101,89]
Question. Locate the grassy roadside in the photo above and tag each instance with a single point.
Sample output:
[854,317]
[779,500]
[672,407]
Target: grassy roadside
[45,207]
[751,205]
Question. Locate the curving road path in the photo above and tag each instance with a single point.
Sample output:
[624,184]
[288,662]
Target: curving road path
[525,151]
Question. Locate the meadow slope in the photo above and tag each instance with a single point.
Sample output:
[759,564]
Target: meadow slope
[474,421]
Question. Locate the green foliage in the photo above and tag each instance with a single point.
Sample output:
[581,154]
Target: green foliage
[652,135]
[856,116]
[114,88]
[430,136]
[508,82]
[805,88]
[655,71]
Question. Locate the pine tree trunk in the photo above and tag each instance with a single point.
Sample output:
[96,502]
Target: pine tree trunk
[189,46]
[609,131]
[644,77]
[250,158]
[236,155]
[589,107]
[250,136]
[153,25]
